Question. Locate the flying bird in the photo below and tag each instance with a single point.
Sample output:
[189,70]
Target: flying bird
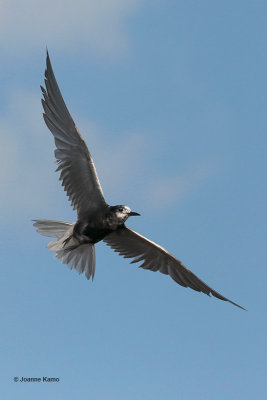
[96,220]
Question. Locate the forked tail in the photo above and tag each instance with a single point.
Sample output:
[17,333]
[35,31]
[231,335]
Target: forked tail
[66,248]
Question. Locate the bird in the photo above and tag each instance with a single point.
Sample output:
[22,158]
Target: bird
[96,219]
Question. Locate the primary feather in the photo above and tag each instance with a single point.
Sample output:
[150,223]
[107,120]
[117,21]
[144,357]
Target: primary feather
[76,166]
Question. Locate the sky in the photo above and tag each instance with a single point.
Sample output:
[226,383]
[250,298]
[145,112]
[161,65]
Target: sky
[168,96]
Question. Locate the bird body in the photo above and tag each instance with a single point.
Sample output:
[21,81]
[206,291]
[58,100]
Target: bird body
[100,223]
[75,244]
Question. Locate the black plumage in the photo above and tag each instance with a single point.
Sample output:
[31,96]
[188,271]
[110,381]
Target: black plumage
[96,219]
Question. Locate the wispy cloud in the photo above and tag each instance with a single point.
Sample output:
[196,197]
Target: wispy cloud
[22,149]
[26,153]
[88,24]
[167,191]
[27,175]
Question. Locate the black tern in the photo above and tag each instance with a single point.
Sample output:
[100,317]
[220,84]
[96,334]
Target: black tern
[75,244]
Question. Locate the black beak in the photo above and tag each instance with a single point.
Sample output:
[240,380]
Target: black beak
[132,213]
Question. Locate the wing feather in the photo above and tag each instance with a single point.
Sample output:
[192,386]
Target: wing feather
[76,166]
[131,244]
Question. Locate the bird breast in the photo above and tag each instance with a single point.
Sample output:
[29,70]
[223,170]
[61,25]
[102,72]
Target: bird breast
[96,227]
[114,221]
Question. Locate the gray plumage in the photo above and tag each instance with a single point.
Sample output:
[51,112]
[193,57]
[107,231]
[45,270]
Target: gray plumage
[77,170]
[96,219]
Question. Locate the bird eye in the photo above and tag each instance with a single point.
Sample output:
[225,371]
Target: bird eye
[120,209]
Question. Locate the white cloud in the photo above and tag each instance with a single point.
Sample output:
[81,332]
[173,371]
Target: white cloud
[26,148]
[30,188]
[21,147]
[167,191]
[27,176]
[87,24]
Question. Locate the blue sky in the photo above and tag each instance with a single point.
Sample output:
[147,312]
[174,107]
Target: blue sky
[169,98]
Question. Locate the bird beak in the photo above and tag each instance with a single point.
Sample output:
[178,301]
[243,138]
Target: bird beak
[132,213]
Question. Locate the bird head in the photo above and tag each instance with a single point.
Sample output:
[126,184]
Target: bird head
[122,213]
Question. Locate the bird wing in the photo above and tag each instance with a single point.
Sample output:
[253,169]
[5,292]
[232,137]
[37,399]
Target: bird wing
[78,173]
[130,244]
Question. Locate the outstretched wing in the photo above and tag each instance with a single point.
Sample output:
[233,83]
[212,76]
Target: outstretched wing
[130,244]
[78,173]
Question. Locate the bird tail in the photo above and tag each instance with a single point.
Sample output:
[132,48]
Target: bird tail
[67,248]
